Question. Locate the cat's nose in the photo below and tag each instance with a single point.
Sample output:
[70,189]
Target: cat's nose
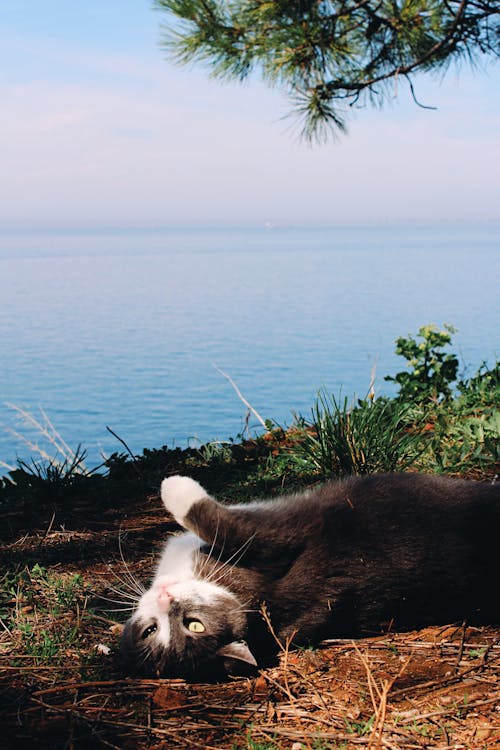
[164,599]
[164,593]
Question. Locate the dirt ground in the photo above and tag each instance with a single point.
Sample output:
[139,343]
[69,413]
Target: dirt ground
[61,684]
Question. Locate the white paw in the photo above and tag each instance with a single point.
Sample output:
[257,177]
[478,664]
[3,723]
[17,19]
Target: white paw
[179,494]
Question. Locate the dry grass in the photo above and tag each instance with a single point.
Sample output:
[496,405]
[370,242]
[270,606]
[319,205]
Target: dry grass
[437,688]
[375,693]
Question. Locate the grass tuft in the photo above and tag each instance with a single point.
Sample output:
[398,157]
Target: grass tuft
[341,440]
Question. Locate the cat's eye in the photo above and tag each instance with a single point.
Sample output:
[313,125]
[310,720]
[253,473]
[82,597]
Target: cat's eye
[195,626]
[149,630]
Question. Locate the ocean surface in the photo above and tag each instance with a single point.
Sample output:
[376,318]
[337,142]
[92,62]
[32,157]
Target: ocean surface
[126,329]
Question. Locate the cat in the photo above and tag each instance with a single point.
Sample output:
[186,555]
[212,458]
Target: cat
[351,558]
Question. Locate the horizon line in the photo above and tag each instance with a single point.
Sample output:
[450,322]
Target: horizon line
[18,229]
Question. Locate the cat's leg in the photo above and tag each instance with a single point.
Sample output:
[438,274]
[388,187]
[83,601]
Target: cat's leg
[223,528]
[179,494]
[256,533]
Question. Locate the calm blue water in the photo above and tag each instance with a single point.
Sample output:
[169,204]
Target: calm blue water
[123,329]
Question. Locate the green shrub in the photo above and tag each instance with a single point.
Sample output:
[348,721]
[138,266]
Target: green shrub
[482,389]
[433,369]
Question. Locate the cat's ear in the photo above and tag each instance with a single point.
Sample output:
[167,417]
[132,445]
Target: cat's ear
[237,658]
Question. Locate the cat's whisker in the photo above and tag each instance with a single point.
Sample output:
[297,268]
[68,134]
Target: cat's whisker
[132,584]
[243,607]
[127,589]
[218,559]
[145,654]
[132,604]
[131,596]
[227,566]
[199,561]
[126,605]
[127,579]
[132,579]
[115,601]
[208,556]
[121,609]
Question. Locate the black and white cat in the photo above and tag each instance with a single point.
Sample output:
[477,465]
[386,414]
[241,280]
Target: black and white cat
[351,558]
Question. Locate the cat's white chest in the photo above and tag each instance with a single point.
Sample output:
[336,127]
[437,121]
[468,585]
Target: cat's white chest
[179,557]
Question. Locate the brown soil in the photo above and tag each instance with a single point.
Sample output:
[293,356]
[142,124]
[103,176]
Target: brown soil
[437,688]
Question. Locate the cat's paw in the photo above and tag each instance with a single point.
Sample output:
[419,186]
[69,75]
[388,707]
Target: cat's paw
[179,494]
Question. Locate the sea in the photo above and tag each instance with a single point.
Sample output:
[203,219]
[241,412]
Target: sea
[165,336]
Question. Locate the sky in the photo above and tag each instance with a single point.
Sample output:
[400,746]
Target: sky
[98,129]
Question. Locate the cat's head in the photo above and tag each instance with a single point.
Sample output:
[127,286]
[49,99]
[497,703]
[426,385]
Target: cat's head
[190,628]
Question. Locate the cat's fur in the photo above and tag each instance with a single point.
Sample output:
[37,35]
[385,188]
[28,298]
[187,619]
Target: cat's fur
[351,558]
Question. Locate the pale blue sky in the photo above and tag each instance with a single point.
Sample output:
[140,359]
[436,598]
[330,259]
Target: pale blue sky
[97,129]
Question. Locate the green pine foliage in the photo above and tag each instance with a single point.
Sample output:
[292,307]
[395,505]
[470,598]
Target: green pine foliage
[332,53]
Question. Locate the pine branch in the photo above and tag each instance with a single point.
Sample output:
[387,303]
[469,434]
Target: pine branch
[329,52]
